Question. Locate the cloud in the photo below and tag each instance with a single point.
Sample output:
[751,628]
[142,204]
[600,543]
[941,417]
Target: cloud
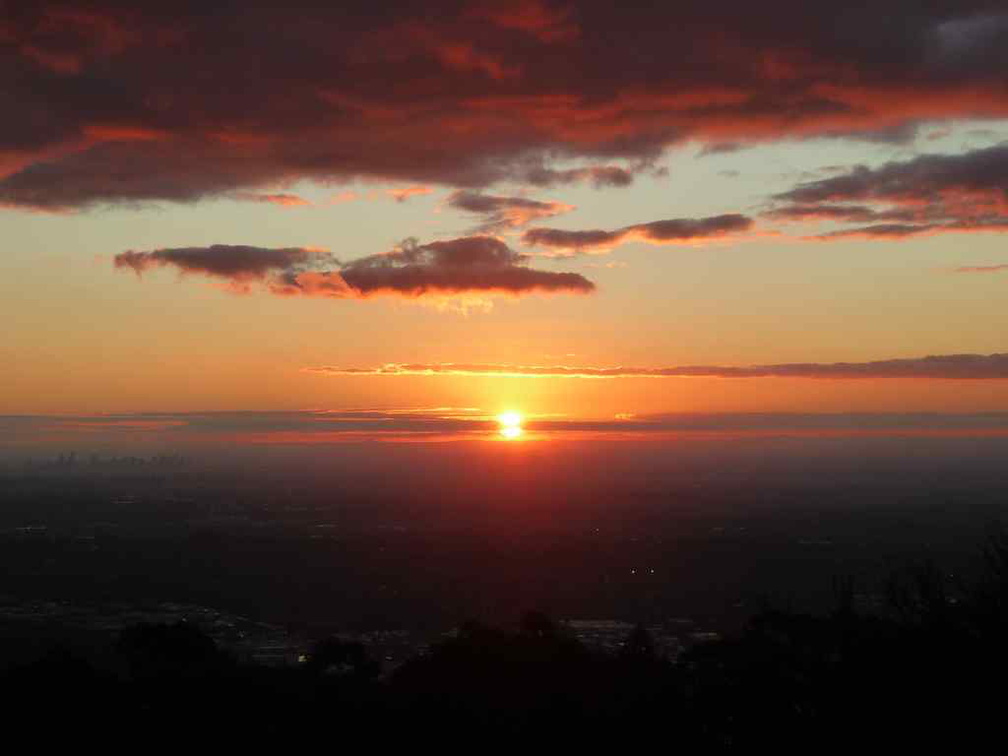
[475,265]
[347,195]
[930,194]
[719,148]
[598,175]
[284,200]
[402,194]
[152,102]
[905,230]
[981,269]
[235,262]
[468,264]
[505,212]
[194,430]
[675,231]
[951,367]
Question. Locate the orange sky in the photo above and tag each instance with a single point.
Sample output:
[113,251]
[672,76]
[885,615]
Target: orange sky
[522,183]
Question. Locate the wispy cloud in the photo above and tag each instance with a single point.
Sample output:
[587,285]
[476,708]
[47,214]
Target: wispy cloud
[950,367]
[675,231]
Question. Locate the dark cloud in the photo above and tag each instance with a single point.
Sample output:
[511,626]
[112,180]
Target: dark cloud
[230,261]
[907,230]
[505,212]
[928,178]
[951,366]
[598,175]
[469,264]
[839,212]
[929,194]
[111,102]
[475,265]
[675,231]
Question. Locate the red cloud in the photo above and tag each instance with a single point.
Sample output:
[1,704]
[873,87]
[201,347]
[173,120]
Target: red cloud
[252,96]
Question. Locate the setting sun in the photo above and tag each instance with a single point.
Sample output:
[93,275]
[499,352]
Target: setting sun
[510,424]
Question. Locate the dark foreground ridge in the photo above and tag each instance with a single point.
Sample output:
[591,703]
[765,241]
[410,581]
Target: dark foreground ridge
[931,670]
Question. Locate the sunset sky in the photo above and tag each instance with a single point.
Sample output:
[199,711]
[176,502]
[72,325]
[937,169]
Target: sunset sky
[556,208]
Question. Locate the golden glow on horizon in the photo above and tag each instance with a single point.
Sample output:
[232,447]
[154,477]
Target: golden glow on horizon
[510,424]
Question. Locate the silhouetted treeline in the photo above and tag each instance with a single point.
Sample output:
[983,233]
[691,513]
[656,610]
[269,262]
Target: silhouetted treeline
[930,671]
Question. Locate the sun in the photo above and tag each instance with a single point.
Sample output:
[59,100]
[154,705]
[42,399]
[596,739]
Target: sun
[510,424]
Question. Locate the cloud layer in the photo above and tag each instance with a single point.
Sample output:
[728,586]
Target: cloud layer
[479,265]
[114,102]
[951,366]
[305,427]
[324,427]
[675,231]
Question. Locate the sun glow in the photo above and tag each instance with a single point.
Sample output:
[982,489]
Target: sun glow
[510,424]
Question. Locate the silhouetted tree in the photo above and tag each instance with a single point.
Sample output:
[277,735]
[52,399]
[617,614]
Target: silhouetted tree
[177,650]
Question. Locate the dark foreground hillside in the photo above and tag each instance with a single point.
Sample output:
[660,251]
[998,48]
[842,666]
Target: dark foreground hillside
[931,671]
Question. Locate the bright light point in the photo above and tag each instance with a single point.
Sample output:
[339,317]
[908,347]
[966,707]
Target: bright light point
[510,419]
[510,424]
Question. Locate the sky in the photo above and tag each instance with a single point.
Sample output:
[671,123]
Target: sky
[572,210]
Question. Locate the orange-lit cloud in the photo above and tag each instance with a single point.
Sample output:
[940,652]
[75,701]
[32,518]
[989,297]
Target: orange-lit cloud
[675,231]
[284,200]
[480,265]
[345,196]
[951,366]
[401,194]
